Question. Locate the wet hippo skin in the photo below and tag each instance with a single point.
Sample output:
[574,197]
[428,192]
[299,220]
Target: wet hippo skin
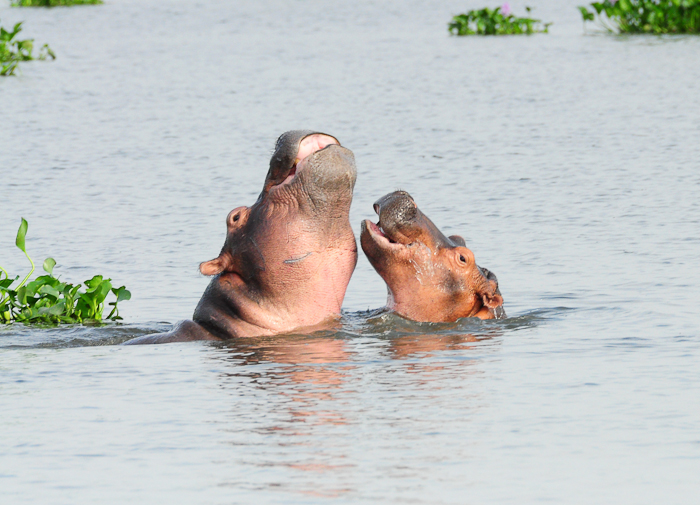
[288,258]
[429,277]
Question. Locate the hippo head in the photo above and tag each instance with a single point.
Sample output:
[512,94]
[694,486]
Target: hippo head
[429,277]
[288,258]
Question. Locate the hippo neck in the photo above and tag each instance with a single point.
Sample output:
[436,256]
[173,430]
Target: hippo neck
[313,276]
[302,290]
[411,302]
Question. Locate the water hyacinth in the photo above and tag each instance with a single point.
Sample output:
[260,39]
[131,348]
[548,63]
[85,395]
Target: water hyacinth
[13,51]
[52,3]
[48,300]
[497,21]
[645,16]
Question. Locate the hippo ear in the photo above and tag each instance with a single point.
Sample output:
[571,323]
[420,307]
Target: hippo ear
[237,218]
[217,265]
[490,295]
[457,239]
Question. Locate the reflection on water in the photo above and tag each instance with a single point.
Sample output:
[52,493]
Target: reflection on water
[313,390]
[308,397]
[317,369]
[404,347]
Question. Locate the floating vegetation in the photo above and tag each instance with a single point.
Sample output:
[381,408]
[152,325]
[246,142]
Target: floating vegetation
[12,51]
[52,3]
[48,300]
[645,16]
[498,21]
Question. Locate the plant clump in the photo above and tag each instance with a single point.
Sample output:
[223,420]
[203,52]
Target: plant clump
[52,3]
[645,16]
[498,21]
[13,50]
[48,300]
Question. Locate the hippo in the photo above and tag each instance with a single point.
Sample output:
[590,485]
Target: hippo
[429,277]
[288,258]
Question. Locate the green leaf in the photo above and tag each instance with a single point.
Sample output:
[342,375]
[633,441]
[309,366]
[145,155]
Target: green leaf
[586,14]
[103,290]
[35,285]
[625,5]
[49,290]
[47,279]
[598,7]
[21,234]
[122,294]
[46,52]
[58,309]
[84,308]
[94,283]
[6,283]
[49,263]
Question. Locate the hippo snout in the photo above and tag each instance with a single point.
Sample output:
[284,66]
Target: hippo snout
[397,215]
[329,170]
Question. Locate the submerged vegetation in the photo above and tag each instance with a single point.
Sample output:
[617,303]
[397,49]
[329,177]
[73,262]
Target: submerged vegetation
[645,16]
[12,50]
[498,21]
[48,300]
[52,3]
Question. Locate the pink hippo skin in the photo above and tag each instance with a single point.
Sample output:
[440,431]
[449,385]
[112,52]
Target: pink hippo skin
[288,258]
[429,277]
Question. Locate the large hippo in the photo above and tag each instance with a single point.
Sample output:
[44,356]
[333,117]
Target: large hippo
[430,277]
[288,258]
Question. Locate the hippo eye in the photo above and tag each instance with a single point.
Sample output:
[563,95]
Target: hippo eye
[236,217]
[462,259]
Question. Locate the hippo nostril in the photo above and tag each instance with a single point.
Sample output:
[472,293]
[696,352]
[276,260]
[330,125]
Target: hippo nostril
[376,208]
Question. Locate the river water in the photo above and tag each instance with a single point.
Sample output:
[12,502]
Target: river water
[569,161]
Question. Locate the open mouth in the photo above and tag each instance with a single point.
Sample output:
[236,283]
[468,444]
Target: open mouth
[380,236]
[378,230]
[308,147]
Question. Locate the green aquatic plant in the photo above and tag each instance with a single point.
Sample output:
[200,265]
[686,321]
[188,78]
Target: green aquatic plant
[12,50]
[498,21]
[47,299]
[645,16]
[52,3]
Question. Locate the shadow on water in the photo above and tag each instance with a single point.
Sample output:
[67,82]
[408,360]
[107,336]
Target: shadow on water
[370,324]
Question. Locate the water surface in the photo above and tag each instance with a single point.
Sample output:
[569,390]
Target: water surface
[569,162]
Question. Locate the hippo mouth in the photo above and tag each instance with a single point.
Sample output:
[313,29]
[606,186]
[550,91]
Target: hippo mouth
[391,233]
[376,229]
[308,147]
[383,237]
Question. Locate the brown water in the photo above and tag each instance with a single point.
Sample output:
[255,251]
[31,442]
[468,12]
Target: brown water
[569,161]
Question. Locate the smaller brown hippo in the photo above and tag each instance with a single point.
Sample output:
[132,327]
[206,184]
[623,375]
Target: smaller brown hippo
[429,277]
